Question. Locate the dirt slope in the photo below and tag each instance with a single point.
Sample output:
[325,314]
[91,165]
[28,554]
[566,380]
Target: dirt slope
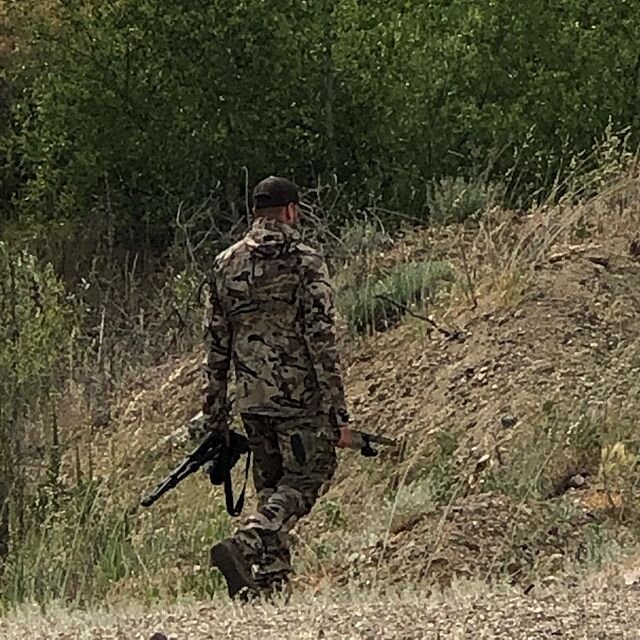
[538,382]
[570,340]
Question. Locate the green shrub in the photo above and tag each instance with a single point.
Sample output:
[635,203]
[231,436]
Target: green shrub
[137,107]
[380,302]
[364,237]
[453,200]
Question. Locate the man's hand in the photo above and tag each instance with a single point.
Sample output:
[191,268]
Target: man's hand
[345,438]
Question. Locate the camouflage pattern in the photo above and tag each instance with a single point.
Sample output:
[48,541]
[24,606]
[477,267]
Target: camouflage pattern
[294,461]
[270,312]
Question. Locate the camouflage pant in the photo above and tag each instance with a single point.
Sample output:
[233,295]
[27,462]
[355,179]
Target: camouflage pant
[294,460]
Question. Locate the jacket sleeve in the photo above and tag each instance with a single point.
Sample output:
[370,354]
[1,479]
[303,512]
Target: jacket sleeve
[218,341]
[319,329]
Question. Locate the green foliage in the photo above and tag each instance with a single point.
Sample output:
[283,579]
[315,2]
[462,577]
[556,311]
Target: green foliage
[333,515]
[379,302]
[364,237]
[141,105]
[33,320]
[452,200]
[34,325]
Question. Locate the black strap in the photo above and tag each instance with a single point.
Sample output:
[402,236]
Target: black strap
[236,510]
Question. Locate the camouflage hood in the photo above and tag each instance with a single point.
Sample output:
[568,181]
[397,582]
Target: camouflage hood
[270,238]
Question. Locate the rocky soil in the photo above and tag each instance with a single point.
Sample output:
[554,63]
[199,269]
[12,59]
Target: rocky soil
[587,612]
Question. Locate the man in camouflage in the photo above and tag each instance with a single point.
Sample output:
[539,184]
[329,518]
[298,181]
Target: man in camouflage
[270,312]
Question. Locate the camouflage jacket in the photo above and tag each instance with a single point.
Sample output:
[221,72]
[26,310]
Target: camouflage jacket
[270,312]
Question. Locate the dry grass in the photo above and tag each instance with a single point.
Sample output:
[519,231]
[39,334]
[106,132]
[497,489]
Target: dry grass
[467,611]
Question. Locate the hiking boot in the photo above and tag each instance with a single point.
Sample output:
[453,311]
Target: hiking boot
[274,586]
[227,557]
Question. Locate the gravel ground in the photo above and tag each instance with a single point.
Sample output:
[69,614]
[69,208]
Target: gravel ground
[612,612]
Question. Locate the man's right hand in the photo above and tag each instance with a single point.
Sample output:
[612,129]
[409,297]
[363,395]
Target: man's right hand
[345,438]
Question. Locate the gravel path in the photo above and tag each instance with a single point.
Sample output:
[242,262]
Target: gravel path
[503,615]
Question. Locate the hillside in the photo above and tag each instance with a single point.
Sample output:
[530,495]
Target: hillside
[514,392]
[476,194]
[520,450]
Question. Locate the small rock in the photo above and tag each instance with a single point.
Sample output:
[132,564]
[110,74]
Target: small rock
[158,636]
[482,463]
[576,481]
[509,421]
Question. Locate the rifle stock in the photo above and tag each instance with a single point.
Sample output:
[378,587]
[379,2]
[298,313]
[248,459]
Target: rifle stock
[362,440]
[194,460]
[212,449]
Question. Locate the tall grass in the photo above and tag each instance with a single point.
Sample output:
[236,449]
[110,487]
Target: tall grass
[91,547]
[84,543]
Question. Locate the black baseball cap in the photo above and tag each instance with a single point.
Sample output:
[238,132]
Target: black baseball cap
[275,192]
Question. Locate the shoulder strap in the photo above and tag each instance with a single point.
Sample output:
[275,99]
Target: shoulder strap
[236,509]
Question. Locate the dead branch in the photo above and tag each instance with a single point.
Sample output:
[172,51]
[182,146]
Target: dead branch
[450,335]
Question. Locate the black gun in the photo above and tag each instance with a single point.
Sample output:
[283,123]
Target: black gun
[224,457]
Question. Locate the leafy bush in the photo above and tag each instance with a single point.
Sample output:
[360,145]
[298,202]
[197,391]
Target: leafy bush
[379,303]
[453,200]
[136,107]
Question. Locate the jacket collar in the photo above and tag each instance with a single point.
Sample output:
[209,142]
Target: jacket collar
[269,230]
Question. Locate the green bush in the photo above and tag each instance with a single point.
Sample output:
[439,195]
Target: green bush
[452,200]
[380,302]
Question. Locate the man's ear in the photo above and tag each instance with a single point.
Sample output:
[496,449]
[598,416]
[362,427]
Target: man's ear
[290,213]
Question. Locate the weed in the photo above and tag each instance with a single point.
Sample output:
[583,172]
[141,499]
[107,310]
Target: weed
[333,516]
[359,237]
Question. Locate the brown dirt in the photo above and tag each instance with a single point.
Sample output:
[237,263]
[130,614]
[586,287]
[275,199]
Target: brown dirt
[483,536]
[569,341]
[564,350]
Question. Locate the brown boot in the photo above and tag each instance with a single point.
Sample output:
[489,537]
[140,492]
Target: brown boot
[228,558]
